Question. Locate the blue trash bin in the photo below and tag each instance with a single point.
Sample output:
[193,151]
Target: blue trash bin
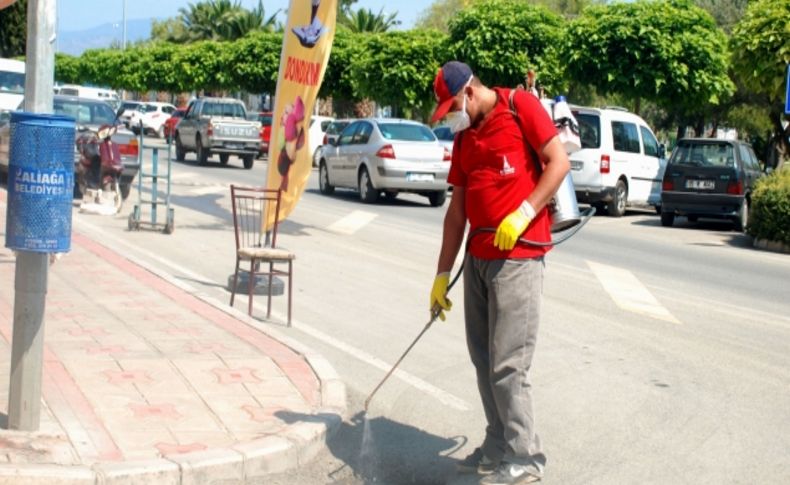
[40,183]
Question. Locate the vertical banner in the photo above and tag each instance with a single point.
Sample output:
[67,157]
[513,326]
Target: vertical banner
[307,41]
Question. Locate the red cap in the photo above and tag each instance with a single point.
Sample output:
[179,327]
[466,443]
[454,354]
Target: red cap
[450,79]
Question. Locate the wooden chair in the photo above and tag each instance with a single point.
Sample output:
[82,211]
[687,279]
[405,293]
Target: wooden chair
[253,244]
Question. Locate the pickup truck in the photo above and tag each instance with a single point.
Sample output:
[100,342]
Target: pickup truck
[218,125]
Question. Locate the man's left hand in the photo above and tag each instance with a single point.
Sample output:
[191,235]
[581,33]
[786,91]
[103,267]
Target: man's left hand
[510,229]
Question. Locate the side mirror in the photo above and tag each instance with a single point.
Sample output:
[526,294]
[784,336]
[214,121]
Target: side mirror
[662,151]
[333,142]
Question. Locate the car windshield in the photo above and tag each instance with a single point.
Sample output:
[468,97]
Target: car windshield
[265,120]
[12,82]
[704,155]
[85,113]
[229,110]
[444,133]
[406,132]
[336,127]
[178,113]
[589,129]
[147,108]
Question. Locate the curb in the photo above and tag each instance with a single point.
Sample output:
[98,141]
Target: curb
[774,246]
[299,444]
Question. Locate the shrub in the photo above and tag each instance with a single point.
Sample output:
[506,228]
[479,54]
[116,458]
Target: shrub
[770,211]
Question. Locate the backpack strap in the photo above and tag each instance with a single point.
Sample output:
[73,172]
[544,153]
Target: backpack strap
[514,112]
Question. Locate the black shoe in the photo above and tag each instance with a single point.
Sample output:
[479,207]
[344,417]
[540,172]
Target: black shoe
[477,462]
[509,474]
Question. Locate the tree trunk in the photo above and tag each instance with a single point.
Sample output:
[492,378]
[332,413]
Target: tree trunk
[699,127]
[637,105]
[779,145]
[681,131]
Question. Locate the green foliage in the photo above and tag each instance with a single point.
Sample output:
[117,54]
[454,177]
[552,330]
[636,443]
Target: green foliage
[67,68]
[168,30]
[438,15]
[726,13]
[770,211]
[221,20]
[13,30]
[397,69]
[338,79]
[364,20]
[760,47]
[502,39]
[668,51]
[254,62]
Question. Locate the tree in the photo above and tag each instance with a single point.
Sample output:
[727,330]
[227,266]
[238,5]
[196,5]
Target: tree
[502,39]
[397,69]
[668,51]
[223,20]
[364,20]
[169,30]
[726,13]
[760,54]
[13,29]
[438,15]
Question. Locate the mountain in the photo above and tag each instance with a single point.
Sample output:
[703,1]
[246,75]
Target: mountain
[75,42]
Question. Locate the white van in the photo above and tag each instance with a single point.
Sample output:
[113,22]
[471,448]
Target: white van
[620,164]
[103,94]
[12,84]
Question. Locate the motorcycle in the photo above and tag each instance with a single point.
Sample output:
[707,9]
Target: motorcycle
[100,167]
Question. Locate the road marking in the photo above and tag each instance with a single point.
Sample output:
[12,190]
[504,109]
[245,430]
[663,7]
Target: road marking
[352,222]
[439,394]
[211,189]
[185,175]
[629,293]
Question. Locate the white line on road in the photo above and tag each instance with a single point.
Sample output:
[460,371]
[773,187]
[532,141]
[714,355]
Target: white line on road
[439,394]
[352,222]
[629,293]
[211,189]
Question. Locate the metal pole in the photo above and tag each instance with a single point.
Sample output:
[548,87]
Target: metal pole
[124,25]
[30,287]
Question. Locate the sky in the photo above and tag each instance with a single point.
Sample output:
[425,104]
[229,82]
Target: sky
[75,15]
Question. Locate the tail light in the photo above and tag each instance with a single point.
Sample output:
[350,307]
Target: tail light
[447,155]
[605,164]
[131,148]
[735,187]
[667,184]
[210,130]
[326,140]
[386,152]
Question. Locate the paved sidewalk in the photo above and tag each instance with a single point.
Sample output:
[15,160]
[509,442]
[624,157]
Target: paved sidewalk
[145,382]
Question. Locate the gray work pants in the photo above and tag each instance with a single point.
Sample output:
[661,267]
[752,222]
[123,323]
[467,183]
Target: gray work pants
[502,308]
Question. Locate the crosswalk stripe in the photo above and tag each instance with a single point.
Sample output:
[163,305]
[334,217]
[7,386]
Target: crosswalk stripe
[629,293]
[352,222]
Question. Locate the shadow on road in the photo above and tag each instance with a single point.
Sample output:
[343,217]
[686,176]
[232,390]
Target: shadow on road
[379,451]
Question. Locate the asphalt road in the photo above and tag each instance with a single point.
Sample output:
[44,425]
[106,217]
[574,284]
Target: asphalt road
[662,358]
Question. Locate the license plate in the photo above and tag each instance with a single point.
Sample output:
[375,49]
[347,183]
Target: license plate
[700,184]
[419,177]
[234,146]
[577,165]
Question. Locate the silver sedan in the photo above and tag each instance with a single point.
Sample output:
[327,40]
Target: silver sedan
[386,156]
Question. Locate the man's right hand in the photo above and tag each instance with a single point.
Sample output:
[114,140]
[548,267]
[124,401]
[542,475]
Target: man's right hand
[439,300]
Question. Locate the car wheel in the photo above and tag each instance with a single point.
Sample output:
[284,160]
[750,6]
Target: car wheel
[316,156]
[223,158]
[667,219]
[437,198]
[248,161]
[202,153]
[391,195]
[125,189]
[692,218]
[617,206]
[323,180]
[367,192]
[742,221]
[180,152]
[161,132]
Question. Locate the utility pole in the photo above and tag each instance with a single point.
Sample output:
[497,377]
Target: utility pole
[124,25]
[30,284]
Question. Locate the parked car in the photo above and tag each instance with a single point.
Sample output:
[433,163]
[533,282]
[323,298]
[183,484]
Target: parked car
[331,133]
[265,119]
[12,84]
[89,114]
[125,111]
[445,136]
[387,156]
[152,116]
[709,178]
[218,125]
[315,133]
[170,123]
[620,164]
[109,96]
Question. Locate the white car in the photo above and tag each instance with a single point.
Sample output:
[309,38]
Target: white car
[152,116]
[315,134]
[620,164]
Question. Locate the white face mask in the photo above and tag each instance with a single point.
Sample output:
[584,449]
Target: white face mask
[459,120]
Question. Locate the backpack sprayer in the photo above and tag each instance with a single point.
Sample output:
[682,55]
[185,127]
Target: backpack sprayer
[566,220]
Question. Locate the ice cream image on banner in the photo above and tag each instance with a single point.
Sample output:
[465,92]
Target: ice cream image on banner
[309,34]
[292,121]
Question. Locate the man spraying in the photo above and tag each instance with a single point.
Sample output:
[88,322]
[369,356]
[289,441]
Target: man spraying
[503,175]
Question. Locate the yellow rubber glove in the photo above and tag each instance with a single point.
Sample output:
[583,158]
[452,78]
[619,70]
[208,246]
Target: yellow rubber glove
[512,226]
[439,300]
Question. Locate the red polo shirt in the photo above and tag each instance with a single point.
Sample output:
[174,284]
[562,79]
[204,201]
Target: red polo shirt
[498,173]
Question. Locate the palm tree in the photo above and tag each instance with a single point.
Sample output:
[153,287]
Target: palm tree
[364,20]
[224,20]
